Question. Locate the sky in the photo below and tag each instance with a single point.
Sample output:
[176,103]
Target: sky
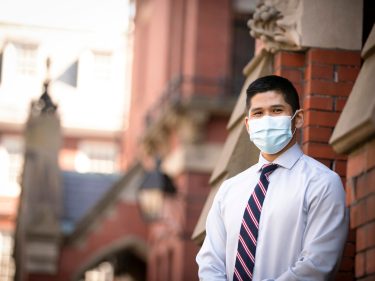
[93,15]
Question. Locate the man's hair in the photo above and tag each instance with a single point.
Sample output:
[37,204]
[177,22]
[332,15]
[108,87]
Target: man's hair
[274,83]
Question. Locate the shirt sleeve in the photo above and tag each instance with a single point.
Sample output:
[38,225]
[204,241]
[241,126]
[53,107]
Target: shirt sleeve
[325,233]
[211,257]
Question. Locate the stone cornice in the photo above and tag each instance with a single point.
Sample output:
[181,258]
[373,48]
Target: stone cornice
[188,118]
[357,121]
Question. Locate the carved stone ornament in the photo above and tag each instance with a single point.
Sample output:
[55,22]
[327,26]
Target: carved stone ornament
[275,23]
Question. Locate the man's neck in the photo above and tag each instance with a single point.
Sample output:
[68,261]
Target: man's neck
[272,157]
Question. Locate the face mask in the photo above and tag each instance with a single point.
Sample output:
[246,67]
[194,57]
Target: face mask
[271,133]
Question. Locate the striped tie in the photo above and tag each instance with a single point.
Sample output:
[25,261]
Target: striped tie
[245,259]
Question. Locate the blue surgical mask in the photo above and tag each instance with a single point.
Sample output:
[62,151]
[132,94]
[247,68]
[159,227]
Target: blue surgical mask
[271,133]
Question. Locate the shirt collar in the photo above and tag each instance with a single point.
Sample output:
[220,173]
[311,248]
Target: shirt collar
[286,160]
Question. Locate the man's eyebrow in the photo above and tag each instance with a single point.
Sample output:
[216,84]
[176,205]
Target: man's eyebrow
[272,106]
[277,105]
[255,109]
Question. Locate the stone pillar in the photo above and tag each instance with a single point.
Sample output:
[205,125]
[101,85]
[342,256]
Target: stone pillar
[38,229]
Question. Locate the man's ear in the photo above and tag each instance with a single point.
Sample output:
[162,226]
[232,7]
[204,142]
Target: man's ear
[247,122]
[299,119]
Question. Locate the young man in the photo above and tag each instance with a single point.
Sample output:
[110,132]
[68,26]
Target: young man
[283,218]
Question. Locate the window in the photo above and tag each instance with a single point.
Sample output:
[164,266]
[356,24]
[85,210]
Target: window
[243,50]
[26,59]
[102,66]
[6,260]
[96,158]
[11,159]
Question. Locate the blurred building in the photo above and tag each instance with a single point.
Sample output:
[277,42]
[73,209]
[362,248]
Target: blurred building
[88,47]
[187,69]
[191,65]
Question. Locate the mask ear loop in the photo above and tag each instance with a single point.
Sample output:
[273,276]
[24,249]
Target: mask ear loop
[294,115]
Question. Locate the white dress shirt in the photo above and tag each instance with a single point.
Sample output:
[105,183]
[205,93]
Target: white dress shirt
[302,229]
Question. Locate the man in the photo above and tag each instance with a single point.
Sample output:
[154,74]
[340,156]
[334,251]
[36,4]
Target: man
[283,218]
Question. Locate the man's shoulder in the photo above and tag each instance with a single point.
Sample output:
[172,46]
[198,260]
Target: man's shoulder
[241,176]
[316,168]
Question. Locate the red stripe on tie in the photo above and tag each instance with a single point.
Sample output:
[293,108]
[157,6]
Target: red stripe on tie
[253,218]
[249,232]
[247,249]
[262,188]
[257,202]
[237,274]
[243,265]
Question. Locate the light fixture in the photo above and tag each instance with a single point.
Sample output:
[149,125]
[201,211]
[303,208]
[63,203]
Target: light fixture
[151,194]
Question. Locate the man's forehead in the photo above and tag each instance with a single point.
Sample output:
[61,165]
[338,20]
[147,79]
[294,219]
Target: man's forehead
[269,98]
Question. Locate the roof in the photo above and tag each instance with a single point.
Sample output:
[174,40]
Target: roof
[81,191]
[124,189]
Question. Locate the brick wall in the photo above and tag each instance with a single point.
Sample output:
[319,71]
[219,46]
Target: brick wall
[361,199]
[324,79]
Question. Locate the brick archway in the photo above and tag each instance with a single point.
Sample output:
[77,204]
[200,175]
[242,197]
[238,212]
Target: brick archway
[133,244]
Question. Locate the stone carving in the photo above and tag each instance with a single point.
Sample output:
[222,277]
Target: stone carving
[275,23]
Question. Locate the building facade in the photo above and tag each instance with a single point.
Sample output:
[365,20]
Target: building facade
[88,77]
[192,63]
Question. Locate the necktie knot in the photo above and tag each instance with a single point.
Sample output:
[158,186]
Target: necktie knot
[269,168]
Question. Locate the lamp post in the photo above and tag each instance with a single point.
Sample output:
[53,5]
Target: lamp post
[152,192]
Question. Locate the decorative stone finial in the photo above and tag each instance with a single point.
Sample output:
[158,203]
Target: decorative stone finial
[275,23]
[44,104]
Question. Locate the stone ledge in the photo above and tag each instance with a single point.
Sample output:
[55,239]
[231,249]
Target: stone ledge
[357,121]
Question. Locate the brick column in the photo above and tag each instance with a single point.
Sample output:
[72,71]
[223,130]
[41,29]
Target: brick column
[329,79]
[361,198]
[324,79]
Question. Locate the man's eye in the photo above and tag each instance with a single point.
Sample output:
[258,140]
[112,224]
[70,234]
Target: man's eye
[257,113]
[277,110]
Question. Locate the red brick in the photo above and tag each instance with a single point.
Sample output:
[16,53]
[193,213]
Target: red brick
[321,118]
[370,234]
[318,134]
[291,59]
[370,207]
[318,71]
[370,154]
[370,261]
[339,103]
[349,195]
[326,162]
[344,276]
[346,264]
[320,150]
[351,236]
[361,238]
[358,214]
[356,163]
[349,250]
[334,57]
[340,167]
[365,184]
[318,102]
[293,74]
[322,87]
[360,264]
[349,190]
[347,73]
[367,278]
[299,89]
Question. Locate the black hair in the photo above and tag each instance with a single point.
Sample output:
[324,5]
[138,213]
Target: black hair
[274,83]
